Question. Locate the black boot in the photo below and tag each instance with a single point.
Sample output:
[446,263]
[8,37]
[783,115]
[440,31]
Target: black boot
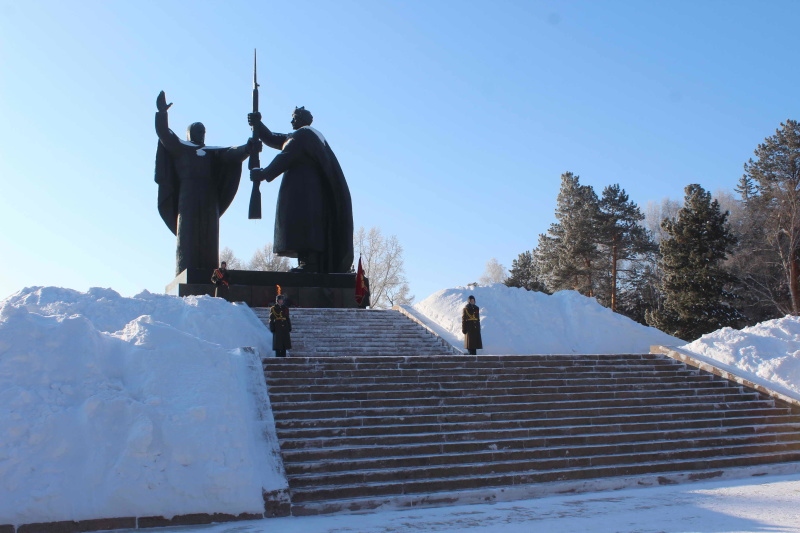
[309,262]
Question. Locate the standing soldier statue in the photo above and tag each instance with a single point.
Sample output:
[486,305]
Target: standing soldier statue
[280,325]
[314,214]
[196,184]
[471,327]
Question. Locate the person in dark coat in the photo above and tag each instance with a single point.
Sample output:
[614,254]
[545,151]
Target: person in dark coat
[471,326]
[280,325]
[314,214]
[221,281]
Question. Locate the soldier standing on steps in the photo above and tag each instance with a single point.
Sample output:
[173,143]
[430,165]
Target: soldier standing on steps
[280,325]
[471,327]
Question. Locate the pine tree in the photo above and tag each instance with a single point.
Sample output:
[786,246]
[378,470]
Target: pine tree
[694,284]
[621,237]
[746,188]
[568,251]
[525,273]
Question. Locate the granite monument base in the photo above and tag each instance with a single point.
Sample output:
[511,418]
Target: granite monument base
[259,289]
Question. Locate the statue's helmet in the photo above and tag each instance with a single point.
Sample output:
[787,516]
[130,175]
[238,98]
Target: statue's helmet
[303,116]
[196,133]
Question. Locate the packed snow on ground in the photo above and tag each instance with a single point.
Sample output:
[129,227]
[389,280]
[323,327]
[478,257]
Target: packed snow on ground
[748,505]
[769,350]
[113,407]
[519,322]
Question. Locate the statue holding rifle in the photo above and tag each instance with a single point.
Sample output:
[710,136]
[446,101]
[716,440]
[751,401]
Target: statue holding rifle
[196,184]
[314,214]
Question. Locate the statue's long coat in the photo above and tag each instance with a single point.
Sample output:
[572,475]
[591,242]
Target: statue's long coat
[314,211]
[196,184]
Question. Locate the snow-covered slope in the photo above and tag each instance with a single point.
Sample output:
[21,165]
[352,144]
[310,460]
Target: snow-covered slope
[113,406]
[769,350]
[142,406]
[516,321]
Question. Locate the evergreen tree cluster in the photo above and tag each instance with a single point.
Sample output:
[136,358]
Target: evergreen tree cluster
[702,269]
[596,247]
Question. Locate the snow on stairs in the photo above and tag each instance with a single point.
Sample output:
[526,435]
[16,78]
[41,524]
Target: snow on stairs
[357,433]
[348,332]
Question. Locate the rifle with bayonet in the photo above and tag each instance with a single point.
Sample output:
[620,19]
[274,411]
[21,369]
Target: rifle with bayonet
[254,161]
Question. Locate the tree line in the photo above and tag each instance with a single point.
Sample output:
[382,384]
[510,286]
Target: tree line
[700,268]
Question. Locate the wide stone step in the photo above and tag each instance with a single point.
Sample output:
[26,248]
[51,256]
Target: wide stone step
[356,347]
[487,383]
[399,340]
[421,363]
[374,351]
[495,391]
[346,351]
[513,360]
[333,333]
[522,422]
[627,466]
[669,407]
[423,377]
[498,406]
[490,454]
[368,378]
[560,457]
[589,435]
[278,368]
[545,436]
[566,425]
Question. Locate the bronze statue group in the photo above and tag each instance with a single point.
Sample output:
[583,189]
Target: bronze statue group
[197,183]
[313,216]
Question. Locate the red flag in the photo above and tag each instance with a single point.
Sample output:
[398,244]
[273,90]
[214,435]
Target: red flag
[361,287]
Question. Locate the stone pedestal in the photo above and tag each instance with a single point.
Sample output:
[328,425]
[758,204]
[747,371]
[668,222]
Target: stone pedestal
[258,288]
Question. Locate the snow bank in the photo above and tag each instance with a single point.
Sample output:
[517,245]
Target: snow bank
[516,321]
[769,350]
[142,406]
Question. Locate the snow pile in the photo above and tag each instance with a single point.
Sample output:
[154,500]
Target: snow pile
[769,350]
[517,321]
[113,407]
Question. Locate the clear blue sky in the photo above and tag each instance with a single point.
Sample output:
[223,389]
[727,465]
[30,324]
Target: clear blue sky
[453,120]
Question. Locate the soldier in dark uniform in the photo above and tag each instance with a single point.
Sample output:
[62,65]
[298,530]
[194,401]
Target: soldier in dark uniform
[280,325]
[221,281]
[471,327]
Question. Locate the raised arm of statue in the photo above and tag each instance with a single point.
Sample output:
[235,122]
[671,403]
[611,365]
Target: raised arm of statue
[165,135]
[271,139]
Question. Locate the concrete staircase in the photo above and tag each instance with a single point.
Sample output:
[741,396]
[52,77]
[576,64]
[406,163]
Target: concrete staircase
[351,332]
[363,432]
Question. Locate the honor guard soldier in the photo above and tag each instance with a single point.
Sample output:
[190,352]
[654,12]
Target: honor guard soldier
[280,325]
[471,327]
[221,281]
